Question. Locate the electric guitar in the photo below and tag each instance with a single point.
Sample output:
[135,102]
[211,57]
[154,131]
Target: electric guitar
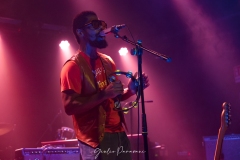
[225,122]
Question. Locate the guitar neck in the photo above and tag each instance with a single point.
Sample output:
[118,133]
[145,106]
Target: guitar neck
[225,122]
[218,150]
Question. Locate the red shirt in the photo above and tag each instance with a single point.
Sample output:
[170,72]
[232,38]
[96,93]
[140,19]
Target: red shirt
[71,79]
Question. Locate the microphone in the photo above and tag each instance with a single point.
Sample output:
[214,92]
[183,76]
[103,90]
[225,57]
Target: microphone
[114,29]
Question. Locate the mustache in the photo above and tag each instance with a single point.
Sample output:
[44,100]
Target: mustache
[100,34]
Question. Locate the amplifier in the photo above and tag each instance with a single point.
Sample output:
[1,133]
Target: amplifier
[230,147]
[61,153]
[66,153]
[29,153]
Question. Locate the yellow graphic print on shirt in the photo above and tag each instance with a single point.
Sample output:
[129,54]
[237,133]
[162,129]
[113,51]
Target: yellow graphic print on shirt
[99,74]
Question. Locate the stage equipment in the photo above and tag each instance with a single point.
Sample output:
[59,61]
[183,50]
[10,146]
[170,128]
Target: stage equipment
[136,141]
[48,153]
[137,147]
[138,51]
[29,153]
[230,148]
[62,143]
[65,133]
[74,142]
[157,151]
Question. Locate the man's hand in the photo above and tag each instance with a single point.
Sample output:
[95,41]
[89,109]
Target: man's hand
[114,89]
[131,84]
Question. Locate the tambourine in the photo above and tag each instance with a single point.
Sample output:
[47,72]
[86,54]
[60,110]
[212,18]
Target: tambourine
[128,105]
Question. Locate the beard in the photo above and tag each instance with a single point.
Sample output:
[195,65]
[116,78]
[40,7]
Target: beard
[99,43]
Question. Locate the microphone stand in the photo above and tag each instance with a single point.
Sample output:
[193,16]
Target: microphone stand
[138,51]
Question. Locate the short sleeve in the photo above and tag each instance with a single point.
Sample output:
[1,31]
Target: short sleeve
[112,64]
[70,77]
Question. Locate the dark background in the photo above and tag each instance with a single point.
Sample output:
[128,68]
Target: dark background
[201,37]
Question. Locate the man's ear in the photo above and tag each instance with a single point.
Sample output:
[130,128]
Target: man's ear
[79,32]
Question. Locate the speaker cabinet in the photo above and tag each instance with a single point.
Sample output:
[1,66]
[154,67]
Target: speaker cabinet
[29,154]
[230,147]
[61,153]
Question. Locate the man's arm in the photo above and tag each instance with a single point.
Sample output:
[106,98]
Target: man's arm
[76,104]
[127,94]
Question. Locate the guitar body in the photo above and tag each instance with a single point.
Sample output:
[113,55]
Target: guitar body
[225,122]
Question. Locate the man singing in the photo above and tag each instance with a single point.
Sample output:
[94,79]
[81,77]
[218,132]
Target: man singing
[88,95]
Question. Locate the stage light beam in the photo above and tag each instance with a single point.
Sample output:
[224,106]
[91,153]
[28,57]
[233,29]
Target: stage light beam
[64,45]
[123,51]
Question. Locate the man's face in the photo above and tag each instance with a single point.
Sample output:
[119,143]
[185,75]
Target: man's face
[93,35]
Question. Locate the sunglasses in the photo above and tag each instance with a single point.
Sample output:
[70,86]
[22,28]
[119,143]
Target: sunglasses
[96,24]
